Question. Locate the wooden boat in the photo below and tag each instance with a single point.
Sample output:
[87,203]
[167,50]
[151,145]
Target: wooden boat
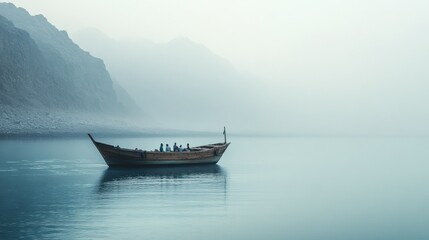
[117,156]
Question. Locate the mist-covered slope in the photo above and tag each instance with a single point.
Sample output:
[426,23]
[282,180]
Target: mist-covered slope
[48,84]
[42,66]
[180,83]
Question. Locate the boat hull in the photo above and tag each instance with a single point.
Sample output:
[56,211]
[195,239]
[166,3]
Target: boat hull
[145,162]
[116,156]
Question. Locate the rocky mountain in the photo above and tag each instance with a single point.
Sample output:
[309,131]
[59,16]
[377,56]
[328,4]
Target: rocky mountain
[49,85]
[42,67]
[22,67]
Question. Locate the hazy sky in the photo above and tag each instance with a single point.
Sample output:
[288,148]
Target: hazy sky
[270,34]
[359,66]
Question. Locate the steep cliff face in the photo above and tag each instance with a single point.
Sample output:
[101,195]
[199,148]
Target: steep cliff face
[42,66]
[22,67]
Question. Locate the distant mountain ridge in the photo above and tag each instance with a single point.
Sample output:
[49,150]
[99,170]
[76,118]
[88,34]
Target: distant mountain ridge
[179,82]
[42,67]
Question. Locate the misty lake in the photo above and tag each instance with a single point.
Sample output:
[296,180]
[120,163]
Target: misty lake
[262,188]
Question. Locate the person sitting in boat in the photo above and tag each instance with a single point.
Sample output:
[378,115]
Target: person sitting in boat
[180,148]
[167,148]
[175,148]
[161,148]
[187,147]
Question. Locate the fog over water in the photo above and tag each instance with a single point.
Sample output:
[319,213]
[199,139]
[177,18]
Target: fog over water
[300,67]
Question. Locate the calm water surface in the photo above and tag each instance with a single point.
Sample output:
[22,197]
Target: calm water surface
[263,188]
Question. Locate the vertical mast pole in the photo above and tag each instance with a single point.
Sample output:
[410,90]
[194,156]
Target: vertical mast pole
[224,133]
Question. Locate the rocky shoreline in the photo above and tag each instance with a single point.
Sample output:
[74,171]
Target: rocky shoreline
[26,121]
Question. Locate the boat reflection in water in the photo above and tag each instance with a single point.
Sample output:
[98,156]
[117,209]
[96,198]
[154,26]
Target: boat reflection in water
[204,183]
